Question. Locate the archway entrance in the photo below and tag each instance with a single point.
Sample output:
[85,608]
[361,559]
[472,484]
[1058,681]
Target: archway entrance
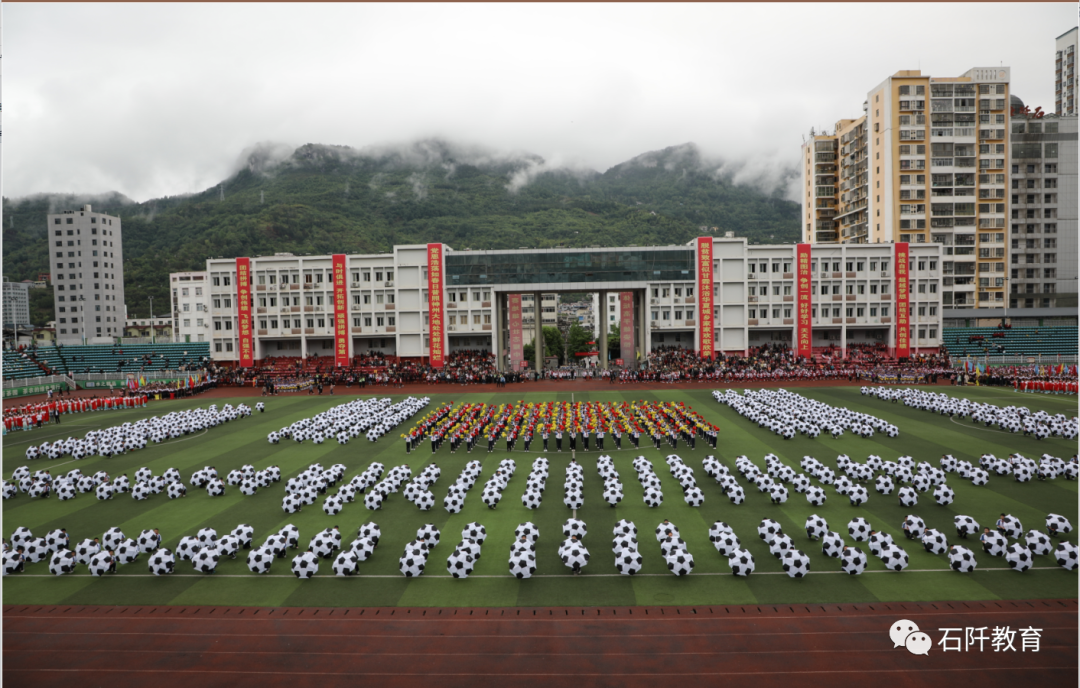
[549,328]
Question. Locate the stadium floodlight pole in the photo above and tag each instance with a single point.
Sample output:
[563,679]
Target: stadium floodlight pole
[152,332]
[82,314]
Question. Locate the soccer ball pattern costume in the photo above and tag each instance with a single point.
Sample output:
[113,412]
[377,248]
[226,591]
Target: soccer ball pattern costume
[161,562]
[305,565]
[62,562]
[853,561]
[260,559]
[962,559]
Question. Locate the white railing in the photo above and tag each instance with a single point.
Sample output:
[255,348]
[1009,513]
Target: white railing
[1017,360]
[35,381]
[149,375]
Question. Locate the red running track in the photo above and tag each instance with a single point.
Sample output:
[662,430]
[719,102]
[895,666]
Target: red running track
[756,646]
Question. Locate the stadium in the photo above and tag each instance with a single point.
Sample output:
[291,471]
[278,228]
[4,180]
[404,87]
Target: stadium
[328,362]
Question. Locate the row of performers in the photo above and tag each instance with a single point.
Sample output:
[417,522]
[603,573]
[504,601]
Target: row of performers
[470,424]
[1048,386]
[30,415]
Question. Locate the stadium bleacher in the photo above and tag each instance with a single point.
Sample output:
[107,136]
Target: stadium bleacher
[131,358]
[1017,341]
[19,366]
[127,358]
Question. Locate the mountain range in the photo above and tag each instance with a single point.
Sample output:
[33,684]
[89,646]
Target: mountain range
[319,199]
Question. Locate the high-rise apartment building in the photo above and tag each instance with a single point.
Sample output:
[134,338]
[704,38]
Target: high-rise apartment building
[1065,73]
[16,304]
[1043,200]
[819,189]
[86,258]
[927,163]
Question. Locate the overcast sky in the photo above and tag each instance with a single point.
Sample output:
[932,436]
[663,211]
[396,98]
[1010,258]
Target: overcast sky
[153,100]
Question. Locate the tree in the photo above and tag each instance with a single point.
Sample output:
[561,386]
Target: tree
[553,345]
[614,342]
[578,340]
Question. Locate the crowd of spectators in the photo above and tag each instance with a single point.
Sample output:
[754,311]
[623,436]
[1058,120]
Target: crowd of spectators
[775,361]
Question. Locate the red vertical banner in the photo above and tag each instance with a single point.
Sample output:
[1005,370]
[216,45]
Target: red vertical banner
[341,312]
[626,326]
[517,345]
[803,332]
[436,306]
[903,320]
[705,290]
[243,304]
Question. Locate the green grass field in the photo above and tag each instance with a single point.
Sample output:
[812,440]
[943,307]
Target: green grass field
[923,435]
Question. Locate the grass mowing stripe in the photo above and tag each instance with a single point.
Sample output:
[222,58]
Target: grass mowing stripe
[923,435]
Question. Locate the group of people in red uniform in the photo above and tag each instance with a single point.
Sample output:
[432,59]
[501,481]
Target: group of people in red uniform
[1046,386]
[29,416]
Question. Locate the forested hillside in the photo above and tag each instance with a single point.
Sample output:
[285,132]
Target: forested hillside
[323,199]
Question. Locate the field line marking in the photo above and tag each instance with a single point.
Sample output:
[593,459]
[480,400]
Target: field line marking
[505,575]
[538,618]
[517,654]
[174,672]
[45,437]
[97,456]
[649,620]
[1002,432]
[205,430]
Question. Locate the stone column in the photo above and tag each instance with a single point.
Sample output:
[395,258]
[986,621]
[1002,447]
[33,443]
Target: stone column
[538,330]
[601,331]
[644,331]
[496,329]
